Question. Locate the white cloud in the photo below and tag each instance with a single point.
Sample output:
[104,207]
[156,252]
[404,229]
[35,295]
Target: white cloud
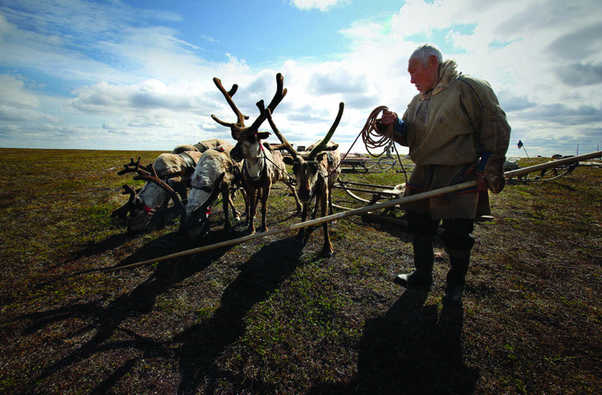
[14,93]
[322,5]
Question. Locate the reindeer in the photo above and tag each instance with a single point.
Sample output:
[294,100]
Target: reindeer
[262,165]
[316,172]
[214,173]
[176,169]
[140,213]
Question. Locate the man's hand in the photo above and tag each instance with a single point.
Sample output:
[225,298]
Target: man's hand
[388,118]
[386,122]
[492,175]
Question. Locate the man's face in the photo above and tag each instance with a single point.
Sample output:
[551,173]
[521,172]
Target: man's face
[423,76]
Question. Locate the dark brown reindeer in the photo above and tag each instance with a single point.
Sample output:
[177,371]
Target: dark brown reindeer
[316,172]
[262,166]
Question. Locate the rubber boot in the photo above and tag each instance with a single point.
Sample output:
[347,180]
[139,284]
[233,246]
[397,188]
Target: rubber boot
[422,277]
[456,277]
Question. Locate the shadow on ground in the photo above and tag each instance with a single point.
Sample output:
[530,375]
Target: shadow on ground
[203,343]
[105,321]
[409,350]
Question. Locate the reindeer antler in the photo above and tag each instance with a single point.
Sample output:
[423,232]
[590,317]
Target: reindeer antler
[127,207]
[128,189]
[144,174]
[284,141]
[326,139]
[228,95]
[133,167]
[237,128]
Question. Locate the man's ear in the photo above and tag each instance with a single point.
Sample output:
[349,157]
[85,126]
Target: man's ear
[433,61]
[263,135]
[288,160]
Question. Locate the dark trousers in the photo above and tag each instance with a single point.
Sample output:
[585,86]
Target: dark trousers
[457,239]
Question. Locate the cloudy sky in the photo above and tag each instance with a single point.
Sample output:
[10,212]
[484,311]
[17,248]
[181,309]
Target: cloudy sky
[138,74]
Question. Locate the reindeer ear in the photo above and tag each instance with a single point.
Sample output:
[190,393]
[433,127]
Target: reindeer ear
[288,160]
[263,135]
[332,147]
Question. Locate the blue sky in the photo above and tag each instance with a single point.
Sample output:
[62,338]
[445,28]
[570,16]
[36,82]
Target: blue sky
[138,74]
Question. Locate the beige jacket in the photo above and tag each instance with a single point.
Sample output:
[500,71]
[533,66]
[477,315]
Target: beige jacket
[458,119]
[447,129]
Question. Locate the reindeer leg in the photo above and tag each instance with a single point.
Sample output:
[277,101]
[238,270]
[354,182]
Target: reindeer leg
[297,201]
[301,233]
[318,200]
[330,208]
[264,206]
[252,195]
[226,200]
[235,212]
[327,250]
[245,198]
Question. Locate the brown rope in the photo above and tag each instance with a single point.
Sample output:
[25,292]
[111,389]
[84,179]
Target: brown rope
[371,138]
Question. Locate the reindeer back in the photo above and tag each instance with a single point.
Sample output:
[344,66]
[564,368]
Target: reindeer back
[212,164]
[215,144]
[171,165]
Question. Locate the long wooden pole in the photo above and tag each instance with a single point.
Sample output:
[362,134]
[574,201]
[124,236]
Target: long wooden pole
[553,163]
[344,214]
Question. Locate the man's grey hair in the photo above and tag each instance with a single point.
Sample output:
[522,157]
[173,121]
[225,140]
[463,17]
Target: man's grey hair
[423,53]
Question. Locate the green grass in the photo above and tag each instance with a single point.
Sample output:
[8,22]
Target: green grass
[271,316]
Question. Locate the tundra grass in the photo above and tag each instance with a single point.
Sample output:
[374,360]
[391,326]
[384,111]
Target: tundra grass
[271,315]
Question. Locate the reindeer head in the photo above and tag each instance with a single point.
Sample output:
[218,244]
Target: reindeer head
[312,166]
[207,181]
[248,138]
[155,193]
[248,146]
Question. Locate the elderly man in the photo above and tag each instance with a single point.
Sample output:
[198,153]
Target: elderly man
[456,132]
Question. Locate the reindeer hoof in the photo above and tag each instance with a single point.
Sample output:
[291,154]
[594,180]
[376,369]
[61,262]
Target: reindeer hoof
[327,252]
[263,229]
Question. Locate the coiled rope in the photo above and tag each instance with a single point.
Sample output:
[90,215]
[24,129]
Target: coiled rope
[374,140]
[371,138]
